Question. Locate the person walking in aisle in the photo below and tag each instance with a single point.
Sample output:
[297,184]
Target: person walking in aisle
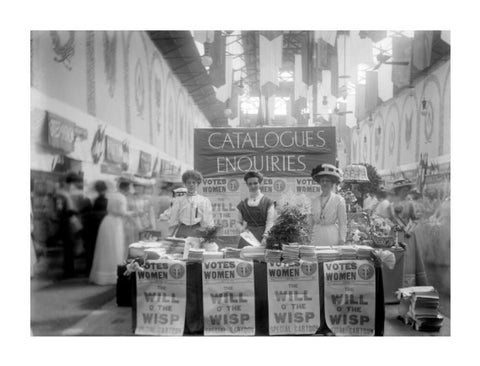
[111,248]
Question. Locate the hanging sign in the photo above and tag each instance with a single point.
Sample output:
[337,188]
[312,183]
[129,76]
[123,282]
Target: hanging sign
[228,297]
[278,151]
[293,298]
[62,133]
[350,297]
[161,298]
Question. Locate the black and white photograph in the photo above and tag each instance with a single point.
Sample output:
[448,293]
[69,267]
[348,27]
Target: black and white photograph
[245,181]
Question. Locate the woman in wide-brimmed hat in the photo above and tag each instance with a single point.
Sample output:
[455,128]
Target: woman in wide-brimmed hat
[329,212]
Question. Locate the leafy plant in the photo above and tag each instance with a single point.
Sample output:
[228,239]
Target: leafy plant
[208,234]
[291,225]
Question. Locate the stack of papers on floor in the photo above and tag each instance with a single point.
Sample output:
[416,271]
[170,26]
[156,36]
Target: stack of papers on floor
[231,252]
[272,255]
[347,252]
[212,255]
[290,253]
[195,255]
[419,307]
[307,253]
[253,253]
[325,254]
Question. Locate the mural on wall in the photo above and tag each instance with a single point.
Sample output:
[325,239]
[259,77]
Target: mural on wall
[63,49]
[110,57]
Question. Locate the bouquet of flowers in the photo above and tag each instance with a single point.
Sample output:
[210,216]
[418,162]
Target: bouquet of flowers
[291,225]
[380,230]
[358,227]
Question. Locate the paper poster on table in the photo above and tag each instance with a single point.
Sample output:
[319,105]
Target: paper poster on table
[293,298]
[350,297]
[228,297]
[161,298]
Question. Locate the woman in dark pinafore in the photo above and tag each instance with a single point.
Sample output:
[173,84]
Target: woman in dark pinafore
[255,213]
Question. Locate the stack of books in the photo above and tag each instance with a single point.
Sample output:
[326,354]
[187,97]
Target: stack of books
[347,252]
[252,253]
[231,252]
[364,251]
[273,256]
[307,253]
[290,253]
[195,255]
[326,254]
[419,307]
[212,255]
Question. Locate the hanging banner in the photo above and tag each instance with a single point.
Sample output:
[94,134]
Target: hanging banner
[274,151]
[350,297]
[228,297]
[144,164]
[293,298]
[161,298]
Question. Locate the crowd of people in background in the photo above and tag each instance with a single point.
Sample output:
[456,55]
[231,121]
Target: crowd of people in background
[99,222]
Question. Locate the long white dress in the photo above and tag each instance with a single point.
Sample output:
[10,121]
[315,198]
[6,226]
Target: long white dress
[329,225]
[110,248]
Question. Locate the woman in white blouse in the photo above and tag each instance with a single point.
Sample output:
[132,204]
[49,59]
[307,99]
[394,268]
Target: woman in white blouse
[329,212]
[191,212]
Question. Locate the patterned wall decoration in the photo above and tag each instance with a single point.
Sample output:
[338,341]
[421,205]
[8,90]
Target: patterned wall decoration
[121,79]
[444,147]
[430,105]
[63,49]
[365,143]
[355,154]
[138,87]
[391,136]
[408,127]
[378,133]
[158,95]
[110,57]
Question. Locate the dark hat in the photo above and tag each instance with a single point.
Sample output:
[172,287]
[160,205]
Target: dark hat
[326,170]
[400,183]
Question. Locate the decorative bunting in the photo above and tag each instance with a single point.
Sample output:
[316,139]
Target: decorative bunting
[328,36]
[218,54]
[270,51]
[360,111]
[422,49]
[401,51]
[371,91]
